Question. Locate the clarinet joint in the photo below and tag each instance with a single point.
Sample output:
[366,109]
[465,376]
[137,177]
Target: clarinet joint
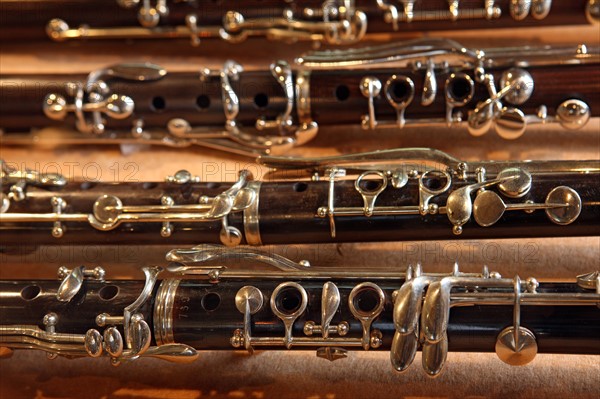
[335,22]
[356,311]
[562,204]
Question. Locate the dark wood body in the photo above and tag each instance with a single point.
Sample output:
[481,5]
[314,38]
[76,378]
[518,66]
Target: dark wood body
[287,214]
[22,97]
[558,329]
[76,316]
[26,20]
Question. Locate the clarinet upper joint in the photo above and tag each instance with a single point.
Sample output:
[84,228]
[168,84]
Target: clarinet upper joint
[465,69]
[422,303]
[335,22]
[562,204]
[237,138]
[421,307]
[93,99]
[109,212]
[356,308]
[435,173]
[18,179]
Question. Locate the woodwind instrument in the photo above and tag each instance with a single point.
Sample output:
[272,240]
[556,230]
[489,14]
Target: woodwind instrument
[71,76]
[407,194]
[296,306]
[334,22]
[418,84]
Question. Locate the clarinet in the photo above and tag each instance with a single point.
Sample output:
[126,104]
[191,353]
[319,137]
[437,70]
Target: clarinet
[295,306]
[406,194]
[334,22]
[421,83]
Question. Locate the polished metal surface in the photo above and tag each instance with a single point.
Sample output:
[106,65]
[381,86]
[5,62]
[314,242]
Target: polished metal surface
[519,9]
[569,209]
[19,179]
[540,8]
[573,114]
[11,175]
[370,338]
[182,177]
[330,301]
[135,341]
[249,297]
[400,104]
[113,342]
[399,54]
[70,285]
[516,182]
[288,316]
[93,343]
[590,281]
[198,260]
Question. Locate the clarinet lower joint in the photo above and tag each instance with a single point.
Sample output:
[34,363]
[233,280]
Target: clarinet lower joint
[290,305]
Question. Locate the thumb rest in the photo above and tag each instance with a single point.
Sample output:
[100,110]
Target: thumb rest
[374,310]
[333,22]
[436,192]
[124,104]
